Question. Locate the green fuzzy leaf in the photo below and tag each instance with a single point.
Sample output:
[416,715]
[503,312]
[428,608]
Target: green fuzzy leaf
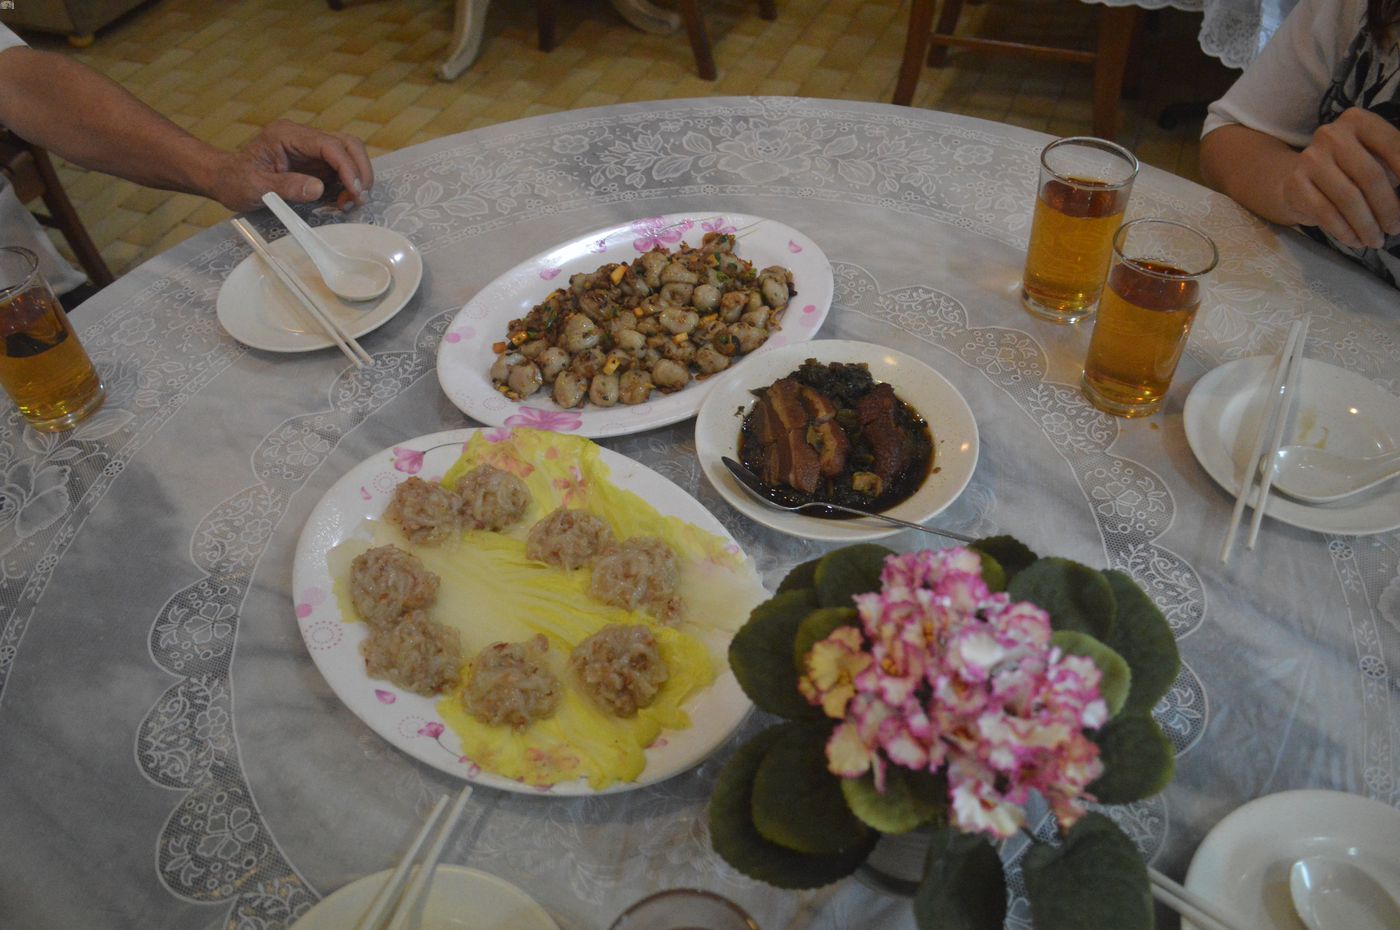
[797,802]
[1096,880]
[736,840]
[801,576]
[1144,639]
[1010,553]
[911,799]
[1138,760]
[1076,596]
[992,573]
[818,625]
[1116,677]
[843,573]
[761,654]
[963,886]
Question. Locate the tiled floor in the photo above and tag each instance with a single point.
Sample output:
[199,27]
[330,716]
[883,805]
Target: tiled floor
[222,68]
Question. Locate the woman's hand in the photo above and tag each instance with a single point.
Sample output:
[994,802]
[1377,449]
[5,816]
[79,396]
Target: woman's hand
[1344,182]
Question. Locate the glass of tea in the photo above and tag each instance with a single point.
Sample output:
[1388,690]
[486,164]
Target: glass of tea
[1084,188]
[684,909]
[1152,294]
[42,365]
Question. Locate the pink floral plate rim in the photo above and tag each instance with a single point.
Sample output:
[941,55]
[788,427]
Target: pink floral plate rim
[464,354]
[409,721]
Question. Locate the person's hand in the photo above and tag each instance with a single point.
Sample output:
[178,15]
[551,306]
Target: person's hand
[1344,182]
[296,161]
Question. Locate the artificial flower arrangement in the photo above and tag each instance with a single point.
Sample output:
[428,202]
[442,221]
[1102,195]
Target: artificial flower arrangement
[940,690]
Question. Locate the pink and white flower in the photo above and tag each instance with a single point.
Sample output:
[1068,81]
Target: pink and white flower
[944,675]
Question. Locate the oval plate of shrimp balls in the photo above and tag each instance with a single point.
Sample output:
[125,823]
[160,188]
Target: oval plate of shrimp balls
[623,329]
[526,610]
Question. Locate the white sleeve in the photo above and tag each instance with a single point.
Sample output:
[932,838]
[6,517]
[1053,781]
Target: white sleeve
[1280,91]
[8,39]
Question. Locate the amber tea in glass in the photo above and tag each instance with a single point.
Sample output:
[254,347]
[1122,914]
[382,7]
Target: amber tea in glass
[42,365]
[1079,205]
[1149,303]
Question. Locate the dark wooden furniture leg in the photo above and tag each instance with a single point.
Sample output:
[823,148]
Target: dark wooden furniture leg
[545,11]
[947,25]
[915,45]
[699,39]
[1116,24]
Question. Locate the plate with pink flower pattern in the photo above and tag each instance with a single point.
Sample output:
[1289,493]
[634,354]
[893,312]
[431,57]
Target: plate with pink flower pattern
[714,570]
[470,346]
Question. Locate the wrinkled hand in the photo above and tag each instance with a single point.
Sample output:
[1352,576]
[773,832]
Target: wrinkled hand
[1344,182]
[296,161]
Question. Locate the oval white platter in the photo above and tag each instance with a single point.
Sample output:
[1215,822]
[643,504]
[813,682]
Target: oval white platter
[256,309]
[410,721]
[954,429]
[1338,410]
[465,356]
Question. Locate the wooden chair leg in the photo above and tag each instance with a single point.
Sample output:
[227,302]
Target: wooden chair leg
[545,11]
[947,25]
[1116,25]
[699,39]
[915,46]
[768,10]
[68,222]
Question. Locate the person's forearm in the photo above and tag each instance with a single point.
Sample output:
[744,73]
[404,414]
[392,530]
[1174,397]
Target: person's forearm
[86,118]
[1250,167]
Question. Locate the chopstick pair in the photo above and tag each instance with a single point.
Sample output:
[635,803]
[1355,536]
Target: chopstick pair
[397,908]
[1188,904]
[1278,406]
[344,341]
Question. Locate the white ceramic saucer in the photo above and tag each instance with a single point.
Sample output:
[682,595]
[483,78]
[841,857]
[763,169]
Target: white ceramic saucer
[460,899]
[1244,862]
[1337,410]
[254,307]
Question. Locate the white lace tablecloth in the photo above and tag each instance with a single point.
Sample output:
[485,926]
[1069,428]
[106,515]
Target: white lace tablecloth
[169,755]
[1232,30]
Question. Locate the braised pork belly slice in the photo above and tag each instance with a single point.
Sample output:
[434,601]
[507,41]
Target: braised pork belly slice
[888,442]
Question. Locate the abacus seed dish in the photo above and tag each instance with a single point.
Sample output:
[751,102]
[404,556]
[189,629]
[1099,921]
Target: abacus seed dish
[657,323]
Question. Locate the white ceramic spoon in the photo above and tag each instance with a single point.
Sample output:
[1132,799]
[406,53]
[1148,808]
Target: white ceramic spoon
[348,276]
[1316,476]
[1333,894]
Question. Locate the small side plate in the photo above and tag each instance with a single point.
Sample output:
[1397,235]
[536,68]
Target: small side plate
[458,897]
[1337,409]
[254,307]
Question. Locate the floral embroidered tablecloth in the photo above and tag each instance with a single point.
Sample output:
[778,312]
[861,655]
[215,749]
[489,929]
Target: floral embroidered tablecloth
[169,755]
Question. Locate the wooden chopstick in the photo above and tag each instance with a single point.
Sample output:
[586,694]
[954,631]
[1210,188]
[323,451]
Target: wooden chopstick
[1188,904]
[409,906]
[1271,402]
[1290,384]
[343,340]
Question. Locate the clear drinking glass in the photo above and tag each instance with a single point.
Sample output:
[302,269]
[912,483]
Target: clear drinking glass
[1153,292]
[1084,189]
[42,365]
[684,909]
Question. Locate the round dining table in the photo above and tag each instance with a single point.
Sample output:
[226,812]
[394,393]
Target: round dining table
[170,755]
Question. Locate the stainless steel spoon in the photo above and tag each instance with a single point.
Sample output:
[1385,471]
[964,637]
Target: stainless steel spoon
[751,483]
[1316,476]
[1334,894]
